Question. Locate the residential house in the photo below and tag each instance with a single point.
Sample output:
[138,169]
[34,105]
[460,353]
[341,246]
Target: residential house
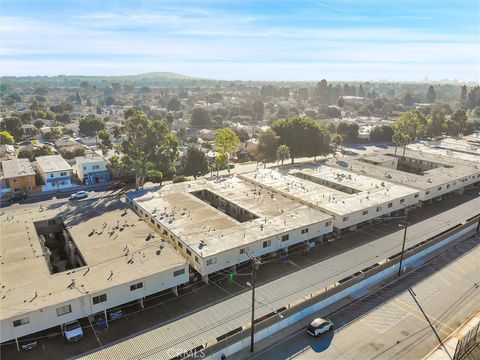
[55,172]
[92,169]
[19,175]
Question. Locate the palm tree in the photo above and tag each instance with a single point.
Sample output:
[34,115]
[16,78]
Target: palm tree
[283,152]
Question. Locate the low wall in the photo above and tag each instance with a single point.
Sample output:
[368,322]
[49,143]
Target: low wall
[287,315]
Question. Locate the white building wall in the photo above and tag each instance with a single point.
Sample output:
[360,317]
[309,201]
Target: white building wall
[443,189]
[83,306]
[83,169]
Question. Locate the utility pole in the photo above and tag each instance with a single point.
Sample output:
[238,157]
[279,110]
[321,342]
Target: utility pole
[403,247]
[255,263]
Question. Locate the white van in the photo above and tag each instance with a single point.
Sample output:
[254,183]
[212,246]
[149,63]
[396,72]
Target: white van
[72,331]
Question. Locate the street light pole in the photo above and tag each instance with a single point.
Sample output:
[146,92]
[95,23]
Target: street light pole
[255,263]
[403,247]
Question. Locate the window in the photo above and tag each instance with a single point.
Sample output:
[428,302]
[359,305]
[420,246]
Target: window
[328,223]
[52,222]
[212,261]
[448,186]
[179,272]
[136,286]
[84,168]
[345,218]
[151,220]
[416,196]
[304,231]
[99,299]
[63,173]
[427,192]
[267,243]
[20,322]
[365,212]
[17,189]
[52,175]
[16,180]
[455,183]
[439,188]
[379,208]
[196,259]
[402,201]
[285,237]
[243,250]
[390,205]
[180,245]
[62,310]
[189,252]
[95,167]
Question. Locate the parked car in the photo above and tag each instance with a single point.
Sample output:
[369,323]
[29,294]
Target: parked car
[79,195]
[118,185]
[319,326]
[18,197]
[72,331]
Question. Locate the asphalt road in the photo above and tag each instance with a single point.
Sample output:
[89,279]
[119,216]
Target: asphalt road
[404,320]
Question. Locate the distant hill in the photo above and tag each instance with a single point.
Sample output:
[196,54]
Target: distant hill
[144,79]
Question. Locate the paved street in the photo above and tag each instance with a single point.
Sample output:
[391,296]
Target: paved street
[404,320]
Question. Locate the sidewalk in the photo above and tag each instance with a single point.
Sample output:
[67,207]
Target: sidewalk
[446,351]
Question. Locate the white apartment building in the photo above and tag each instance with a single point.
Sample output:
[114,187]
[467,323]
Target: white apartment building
[55,172]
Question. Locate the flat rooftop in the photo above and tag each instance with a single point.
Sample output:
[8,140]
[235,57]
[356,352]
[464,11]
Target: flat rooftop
[194,221]
[444,150]
[52,163]
[17,168]
[359,192]
[448,169]
[120,245]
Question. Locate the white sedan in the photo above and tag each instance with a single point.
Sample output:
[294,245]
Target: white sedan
[79,195]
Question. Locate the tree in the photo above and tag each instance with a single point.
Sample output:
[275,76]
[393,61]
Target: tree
[303,136]
[6,138]
[337,141]
[267,146]
[195,162]
[348,131]
[173,104]
[109,100]
[242,134]
[381,133]
[90,125]
[226,142]
[341,102]
[408,100]
[283,152]
[333,112]
[258,109]
[431,95]
[200,117]
[38,124]
[436,121]
[361,92]
[147,146]
[408,127]
[104,143]
[13,125]
[458,120]
[31,154]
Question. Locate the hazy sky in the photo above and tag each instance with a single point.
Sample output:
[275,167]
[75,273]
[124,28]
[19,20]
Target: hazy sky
[243,39]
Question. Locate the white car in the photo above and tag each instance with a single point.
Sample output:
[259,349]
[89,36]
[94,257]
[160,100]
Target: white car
[72,331]
[79,195]
[319,326]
